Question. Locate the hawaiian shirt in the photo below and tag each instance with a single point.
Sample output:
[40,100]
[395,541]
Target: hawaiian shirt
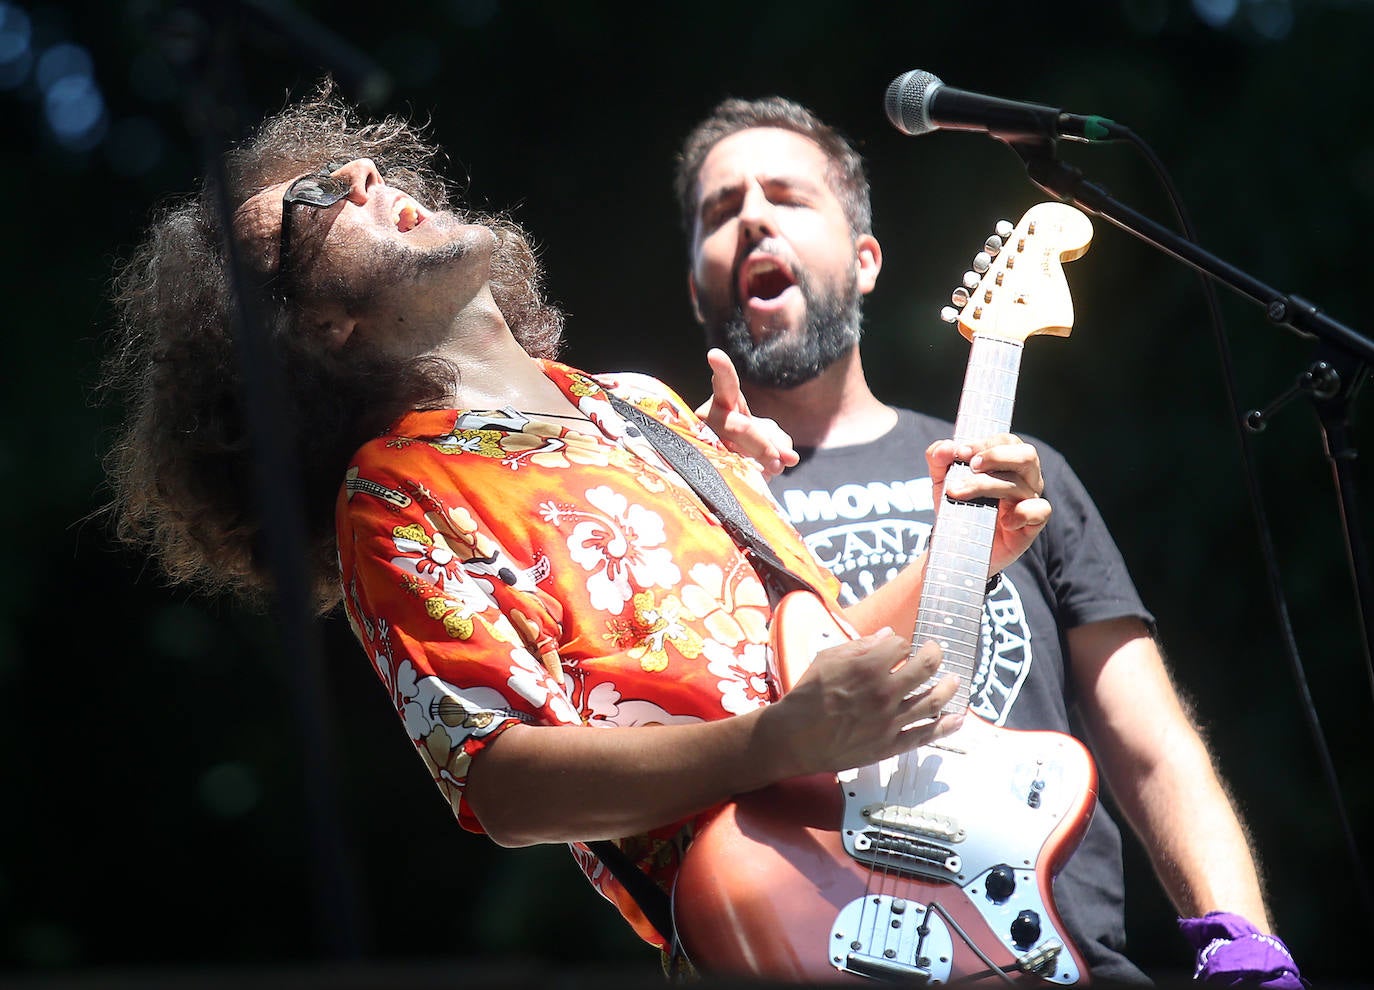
[499,568]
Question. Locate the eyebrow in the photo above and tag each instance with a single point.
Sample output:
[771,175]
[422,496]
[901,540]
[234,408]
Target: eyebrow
[770,183]
[718,195]
[309,228]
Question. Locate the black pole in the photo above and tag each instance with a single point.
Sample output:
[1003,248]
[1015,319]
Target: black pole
[200,46]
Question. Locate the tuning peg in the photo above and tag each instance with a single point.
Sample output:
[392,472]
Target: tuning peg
[1004,229]
[992,245]
[971,280]
[959,297]
[949,314]
[982,261]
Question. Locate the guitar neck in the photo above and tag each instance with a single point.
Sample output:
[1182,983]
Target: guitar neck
[951,607]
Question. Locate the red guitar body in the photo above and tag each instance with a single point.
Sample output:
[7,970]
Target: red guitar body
[766,880]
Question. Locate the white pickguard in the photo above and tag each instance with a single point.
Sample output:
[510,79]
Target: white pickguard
[989,796]
[980,800]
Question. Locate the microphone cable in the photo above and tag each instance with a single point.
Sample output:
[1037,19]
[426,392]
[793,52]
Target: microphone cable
[1267,551]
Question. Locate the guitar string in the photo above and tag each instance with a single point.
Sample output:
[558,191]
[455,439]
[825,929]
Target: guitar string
[952,615]
[984,409]
[908,763]
[960,641]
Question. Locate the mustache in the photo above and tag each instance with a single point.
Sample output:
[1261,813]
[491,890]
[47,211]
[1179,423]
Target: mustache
[773,246]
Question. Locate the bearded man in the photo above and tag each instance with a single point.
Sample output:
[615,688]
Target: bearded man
[776,210]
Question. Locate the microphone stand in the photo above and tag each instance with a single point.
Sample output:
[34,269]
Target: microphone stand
[1332,380]
[1339,369]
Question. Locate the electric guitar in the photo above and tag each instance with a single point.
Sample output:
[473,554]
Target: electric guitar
[935,865]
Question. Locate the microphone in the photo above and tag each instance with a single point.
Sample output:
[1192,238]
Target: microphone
[919,102]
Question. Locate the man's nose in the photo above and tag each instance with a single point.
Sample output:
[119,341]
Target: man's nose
[362,176]
[756,219]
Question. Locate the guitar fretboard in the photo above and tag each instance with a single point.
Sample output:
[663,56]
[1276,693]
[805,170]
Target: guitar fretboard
[951,608]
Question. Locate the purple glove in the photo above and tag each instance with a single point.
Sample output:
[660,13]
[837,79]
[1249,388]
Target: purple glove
[1232,952]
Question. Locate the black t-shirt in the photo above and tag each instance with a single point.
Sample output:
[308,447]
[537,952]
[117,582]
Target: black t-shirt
[865,511]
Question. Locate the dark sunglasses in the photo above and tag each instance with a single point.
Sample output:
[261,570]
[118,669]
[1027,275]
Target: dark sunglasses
[320,191]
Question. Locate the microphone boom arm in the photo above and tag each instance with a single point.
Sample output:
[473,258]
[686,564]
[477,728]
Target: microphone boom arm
[1065,182]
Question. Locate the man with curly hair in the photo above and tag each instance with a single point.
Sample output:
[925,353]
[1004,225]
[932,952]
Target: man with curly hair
[517,559]
[174,357]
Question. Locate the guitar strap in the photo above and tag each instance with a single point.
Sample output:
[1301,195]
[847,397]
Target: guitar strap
[693,467]
[647,894]
[706,481]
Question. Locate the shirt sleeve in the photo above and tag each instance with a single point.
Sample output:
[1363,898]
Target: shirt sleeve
[1086,570]
[463,651]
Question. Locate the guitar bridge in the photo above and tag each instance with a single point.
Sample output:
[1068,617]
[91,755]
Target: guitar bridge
[888,938]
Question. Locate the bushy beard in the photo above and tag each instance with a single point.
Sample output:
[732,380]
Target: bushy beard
[783,360]
[390,265]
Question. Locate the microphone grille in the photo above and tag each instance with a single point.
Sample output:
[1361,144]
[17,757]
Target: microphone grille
[906,100]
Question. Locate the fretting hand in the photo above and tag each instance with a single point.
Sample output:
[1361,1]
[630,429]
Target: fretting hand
[1003,467]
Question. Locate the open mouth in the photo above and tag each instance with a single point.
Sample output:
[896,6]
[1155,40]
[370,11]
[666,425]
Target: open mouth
[764,279]
[406,214]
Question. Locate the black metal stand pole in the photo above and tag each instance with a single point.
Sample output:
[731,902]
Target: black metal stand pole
[199,42]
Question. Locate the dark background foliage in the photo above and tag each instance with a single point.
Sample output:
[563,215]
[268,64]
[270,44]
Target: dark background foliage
[158,779]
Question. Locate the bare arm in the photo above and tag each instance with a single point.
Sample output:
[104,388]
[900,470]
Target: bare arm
[1161,774]
[856,704]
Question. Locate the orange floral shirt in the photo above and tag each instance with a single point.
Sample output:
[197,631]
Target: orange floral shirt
[501,569]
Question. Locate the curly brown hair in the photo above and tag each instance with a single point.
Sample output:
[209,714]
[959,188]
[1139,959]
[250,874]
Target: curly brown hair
[845,174]
[182,466]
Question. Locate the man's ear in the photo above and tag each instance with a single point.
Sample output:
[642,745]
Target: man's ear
[692,292]
[331,323]
[869,254]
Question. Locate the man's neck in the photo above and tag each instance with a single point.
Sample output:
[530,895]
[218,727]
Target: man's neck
[492,370]
[835,409]
[496,372]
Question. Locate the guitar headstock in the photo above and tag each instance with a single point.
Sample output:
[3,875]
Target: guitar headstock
[1017,288]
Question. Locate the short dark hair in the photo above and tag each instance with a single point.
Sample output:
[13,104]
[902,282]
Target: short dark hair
[846,172]
[181,468]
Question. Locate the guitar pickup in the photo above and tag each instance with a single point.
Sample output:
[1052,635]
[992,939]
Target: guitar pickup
[903,851]
[901,818]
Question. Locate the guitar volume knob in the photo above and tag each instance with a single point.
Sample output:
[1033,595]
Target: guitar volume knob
[1001,883]
[1025,929]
